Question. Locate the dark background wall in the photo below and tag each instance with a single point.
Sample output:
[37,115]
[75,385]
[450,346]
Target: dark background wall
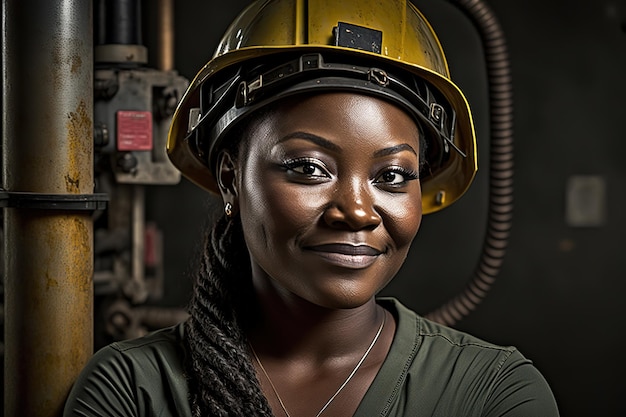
[560,294]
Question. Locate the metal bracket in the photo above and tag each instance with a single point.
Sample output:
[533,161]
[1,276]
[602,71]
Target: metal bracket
[26,200]
[358,37]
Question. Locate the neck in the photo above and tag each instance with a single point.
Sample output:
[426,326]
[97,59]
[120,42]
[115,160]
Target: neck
[290,326]
[306,353]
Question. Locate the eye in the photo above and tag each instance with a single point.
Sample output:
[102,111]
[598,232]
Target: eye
[396,176]
[306,167]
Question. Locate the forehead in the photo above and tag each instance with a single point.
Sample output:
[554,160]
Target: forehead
[350,120]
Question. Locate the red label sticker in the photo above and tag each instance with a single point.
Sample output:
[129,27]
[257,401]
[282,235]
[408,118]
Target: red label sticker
[134,130]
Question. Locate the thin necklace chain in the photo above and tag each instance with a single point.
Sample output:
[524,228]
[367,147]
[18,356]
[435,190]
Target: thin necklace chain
[354,371]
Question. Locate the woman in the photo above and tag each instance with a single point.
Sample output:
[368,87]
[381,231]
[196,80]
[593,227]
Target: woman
[328,128]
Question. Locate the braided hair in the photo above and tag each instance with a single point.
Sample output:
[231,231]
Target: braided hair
[222,379]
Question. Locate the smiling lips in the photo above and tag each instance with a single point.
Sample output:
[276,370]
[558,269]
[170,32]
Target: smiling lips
[346,255]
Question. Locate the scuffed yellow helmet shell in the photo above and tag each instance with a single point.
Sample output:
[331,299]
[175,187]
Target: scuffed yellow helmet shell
[380,37]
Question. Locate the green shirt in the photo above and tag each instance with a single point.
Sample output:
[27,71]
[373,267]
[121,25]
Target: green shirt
[431,370]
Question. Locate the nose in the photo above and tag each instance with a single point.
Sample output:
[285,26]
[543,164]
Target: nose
[352,208]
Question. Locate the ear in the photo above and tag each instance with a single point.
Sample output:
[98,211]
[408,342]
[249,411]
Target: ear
[227,179]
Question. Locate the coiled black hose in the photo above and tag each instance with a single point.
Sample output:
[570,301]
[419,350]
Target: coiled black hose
[500,208]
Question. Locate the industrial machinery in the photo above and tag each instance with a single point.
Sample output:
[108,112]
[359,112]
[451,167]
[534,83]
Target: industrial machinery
[133,105]
[77,158]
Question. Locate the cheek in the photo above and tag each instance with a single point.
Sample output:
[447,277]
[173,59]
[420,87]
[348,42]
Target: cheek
[405,229]
[405,219]
[281,212]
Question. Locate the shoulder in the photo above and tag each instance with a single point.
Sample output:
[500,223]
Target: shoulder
[425,334]
[444,350]
[136,376]
[155,358]
[464,375]
[451,343]
[165,344]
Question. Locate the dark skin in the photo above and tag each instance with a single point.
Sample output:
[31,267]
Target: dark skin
[327,190]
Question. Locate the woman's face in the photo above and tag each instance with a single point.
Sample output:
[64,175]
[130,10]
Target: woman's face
[327,191]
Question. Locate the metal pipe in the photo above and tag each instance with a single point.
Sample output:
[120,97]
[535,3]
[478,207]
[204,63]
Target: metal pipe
[47,149]
[165,35]
[138,290]
[99,22]
[123,22]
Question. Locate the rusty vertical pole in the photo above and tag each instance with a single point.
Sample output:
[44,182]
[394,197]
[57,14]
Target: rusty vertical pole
[47,164]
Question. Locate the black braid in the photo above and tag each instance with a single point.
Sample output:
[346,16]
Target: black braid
[222,380]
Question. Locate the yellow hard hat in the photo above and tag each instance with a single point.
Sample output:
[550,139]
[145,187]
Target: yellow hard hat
[277,48]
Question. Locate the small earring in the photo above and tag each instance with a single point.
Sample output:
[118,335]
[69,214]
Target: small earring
[228,210]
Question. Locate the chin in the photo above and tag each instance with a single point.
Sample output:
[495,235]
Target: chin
[344,298]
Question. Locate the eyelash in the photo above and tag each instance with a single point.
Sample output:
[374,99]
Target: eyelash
[292,164]
[409,175]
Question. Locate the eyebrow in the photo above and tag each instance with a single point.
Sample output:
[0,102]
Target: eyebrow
[395,149]
[325,143]
[318,140]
